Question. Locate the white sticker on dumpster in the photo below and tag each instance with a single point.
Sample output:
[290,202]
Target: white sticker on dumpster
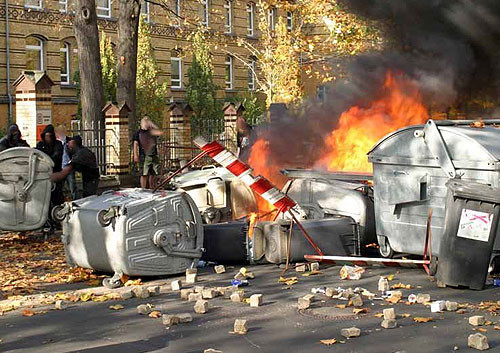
[475,225]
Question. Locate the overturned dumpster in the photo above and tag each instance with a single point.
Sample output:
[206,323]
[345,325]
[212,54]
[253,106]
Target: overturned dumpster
[24,189]
[410,170]
[132,232]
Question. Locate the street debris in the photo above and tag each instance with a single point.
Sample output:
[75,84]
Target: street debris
[478,341]
[28,312]
[243,274]
[170,320]
[193,297]
[351,272]
[329,342]
[201,307]
[116,307]
[209,293]
[256,300]
[357,301]
[144,309]
[290,281]
[350,332]
[128,293]
[388,324]
[219,269]
[141,292]
[176,285]
[389,314]
[59,305]
[155,314]
[240,326]
[237,297]
[438,306]
[314,267]
[211,350]
[300,267]
[383,284]
[154,290]
[423,319]
[451,306]
[423,298]
[191,275]
[305,301]
[477,320]
[186,292]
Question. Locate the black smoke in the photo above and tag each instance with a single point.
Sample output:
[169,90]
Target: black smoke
[449,49]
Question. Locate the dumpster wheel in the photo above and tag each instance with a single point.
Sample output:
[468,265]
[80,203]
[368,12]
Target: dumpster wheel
[385,249]
[111,282]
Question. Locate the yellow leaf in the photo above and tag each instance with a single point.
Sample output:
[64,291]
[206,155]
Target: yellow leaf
[116,307]
[401,286]
[394,299]
[85,297]
[423,319]
[405,315]
[155,314]
[101,298]
[496,328]
[341,306]
[329,342]
[360,311]
[482,329]
[28,312]
[131,283]
[124,278]
[390,277]
[379,315]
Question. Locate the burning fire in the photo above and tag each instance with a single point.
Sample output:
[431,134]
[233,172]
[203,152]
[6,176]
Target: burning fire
[359,129]
[253,218]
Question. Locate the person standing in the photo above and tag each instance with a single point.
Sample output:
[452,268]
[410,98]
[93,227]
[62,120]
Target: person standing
[83,161]
[145,152]
[12,139]
[54,149]
[70,179]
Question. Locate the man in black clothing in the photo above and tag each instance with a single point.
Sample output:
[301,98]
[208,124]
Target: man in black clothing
[54,149]
[12,139]
[83,161]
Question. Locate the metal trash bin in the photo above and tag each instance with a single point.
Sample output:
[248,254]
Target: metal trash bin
[24,189]
[410,169]
[470,228]
[133,232]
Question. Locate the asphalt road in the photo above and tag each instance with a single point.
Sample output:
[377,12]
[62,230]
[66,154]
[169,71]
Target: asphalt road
[277,326]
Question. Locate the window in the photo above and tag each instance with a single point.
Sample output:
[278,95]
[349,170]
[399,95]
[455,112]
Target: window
[175,72]
[229,72]
[205,9]
[289,20]
[103,8]
[250,13]
[272,18]
[228,13]
[65,72]
[177,7]
[34,54]
[33,4]
[251,73]
[63,6]
[145,10]
[322,91]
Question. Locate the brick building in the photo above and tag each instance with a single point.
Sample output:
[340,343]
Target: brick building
[38,35]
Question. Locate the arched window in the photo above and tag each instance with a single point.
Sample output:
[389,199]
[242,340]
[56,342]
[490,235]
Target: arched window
[34,53]
[229,72]
[252,67]
[65,63]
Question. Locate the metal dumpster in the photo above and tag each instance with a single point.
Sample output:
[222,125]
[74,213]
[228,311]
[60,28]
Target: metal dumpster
[410,169]
[219,195]
[24,189]
[133,232]
[325,194]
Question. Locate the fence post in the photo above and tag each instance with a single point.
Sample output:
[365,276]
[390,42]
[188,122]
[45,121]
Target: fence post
[117,139]
[180,130]
[33,104]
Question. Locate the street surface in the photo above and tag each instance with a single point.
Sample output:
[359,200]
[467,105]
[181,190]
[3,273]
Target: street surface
[276,326]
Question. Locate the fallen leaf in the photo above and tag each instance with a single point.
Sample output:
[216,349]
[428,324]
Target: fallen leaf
[155,314]
[312,273]
[394,299]
[124,278]
[423,319]
[116,307]
[496,328]
[341,306]
[329,342]
[85,297]
[379,315]
[101,298]
[360,311]
[131,283]
[482,329]
[288,281]
[401,286]
[28,312]
[390,277]
[405,315]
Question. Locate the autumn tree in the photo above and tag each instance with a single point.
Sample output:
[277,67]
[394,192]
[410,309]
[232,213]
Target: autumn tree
[90,75]
[108,63]
[200,89]
[150,96]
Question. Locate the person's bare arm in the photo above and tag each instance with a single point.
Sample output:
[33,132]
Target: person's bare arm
[59,176]
[136,151]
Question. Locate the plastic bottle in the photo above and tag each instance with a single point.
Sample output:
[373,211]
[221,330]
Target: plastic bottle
[383,284]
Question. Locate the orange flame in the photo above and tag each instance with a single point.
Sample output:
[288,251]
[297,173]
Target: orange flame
[253,218]
[359,129]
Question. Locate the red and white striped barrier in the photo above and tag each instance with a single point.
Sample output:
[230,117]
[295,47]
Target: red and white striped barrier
[366,261]
[259,184]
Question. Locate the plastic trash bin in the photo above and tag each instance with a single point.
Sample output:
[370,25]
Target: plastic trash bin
[470,226]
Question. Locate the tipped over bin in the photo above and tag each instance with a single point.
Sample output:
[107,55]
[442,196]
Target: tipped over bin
[470,227]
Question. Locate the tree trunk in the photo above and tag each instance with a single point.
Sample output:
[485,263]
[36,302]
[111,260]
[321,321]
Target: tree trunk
[87,39]
[128,28]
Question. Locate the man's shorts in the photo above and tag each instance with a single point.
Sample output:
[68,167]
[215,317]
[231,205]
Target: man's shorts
[149,165]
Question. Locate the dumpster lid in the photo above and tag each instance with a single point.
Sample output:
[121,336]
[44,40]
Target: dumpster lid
[473,191]
[202,176]
[465,143]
